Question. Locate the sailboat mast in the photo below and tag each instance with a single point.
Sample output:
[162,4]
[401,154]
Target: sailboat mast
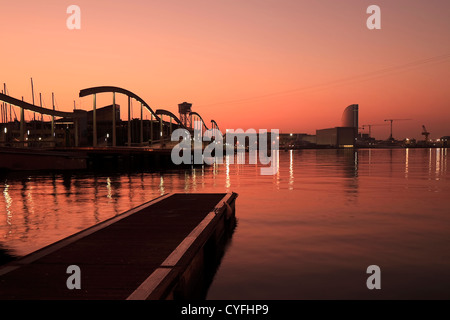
[32,94]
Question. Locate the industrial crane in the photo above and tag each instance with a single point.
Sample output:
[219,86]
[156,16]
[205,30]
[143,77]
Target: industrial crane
[392,120]
[370,127]
[425,133]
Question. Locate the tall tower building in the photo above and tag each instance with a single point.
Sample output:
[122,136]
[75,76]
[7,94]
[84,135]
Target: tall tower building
[185,109]
[350,116]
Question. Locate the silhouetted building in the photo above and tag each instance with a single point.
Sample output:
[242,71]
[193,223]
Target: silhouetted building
[343,136]
[350,116]
[104,114]
[296,140]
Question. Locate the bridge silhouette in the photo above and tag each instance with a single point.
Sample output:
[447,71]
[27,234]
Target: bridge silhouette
[83,128]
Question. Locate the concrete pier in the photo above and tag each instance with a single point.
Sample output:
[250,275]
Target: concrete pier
[161,249]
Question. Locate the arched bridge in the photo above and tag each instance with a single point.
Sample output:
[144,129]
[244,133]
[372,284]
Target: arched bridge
[111,89]
[90,125]
[200,117]
[28,106]
[214,125]
[37,109]
[162,112]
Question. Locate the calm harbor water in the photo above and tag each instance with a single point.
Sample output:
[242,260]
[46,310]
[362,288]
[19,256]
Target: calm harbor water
[308,232]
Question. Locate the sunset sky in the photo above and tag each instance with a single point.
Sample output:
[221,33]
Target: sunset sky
[292,65]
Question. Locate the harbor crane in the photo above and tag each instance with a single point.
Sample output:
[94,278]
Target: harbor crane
[425,133]
[392,120]
[370,127]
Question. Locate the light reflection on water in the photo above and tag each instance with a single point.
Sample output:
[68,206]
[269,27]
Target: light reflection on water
[309,231]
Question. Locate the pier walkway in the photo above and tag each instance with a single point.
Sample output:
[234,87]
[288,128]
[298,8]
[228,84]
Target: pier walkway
[157,250]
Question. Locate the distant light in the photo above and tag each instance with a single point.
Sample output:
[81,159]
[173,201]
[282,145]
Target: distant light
[28,132]
[6,130]
[40,138]
[107,135]
[291,134]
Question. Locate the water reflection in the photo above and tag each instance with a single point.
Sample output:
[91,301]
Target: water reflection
[276,164]
[8,202]
[108,188]
[351,173]
[96,205]
[391,162]
[438,162]
[291,169]
[429,161]
[339,166]
[28,205]
[436,159]
[441,162]
[67,182]
[323,208]
[406,162]
[443,153]
[161,185]
[6,255]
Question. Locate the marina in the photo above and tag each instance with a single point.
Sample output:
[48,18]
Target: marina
[308,232]
[223,150]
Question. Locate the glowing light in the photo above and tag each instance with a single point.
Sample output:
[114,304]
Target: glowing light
[227,173]
[161,185]
[8,202]
[108,188]
[291,170]
[406,162]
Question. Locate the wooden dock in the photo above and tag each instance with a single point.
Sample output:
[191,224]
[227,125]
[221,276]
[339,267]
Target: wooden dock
[158,250]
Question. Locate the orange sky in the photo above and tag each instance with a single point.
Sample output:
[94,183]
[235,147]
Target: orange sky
[244,63]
